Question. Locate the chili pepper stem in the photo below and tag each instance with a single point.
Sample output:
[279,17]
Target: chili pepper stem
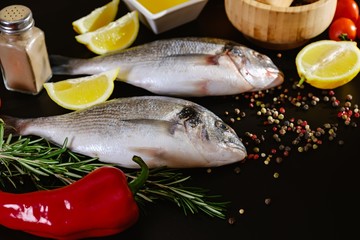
[138,182]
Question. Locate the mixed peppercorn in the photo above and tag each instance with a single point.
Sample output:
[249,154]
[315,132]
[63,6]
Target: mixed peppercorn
[289,132]
[282,129]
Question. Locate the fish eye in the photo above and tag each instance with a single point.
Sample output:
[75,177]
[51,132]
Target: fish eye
[222,125]
[238,52]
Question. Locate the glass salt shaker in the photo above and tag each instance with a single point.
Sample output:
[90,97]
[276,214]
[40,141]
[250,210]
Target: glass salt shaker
[24,59]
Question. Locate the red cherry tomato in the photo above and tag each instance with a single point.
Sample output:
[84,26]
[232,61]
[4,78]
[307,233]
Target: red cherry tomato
[347,9]
[357,24]
[342,29]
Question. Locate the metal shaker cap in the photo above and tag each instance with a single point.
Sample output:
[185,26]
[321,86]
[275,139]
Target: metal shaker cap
[15,19]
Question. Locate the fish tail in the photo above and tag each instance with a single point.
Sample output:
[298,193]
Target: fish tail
[10,125]
[61,65]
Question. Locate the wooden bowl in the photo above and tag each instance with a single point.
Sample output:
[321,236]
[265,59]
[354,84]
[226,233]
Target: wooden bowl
[280,27]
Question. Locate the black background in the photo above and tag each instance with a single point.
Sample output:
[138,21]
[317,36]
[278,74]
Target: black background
[316,194]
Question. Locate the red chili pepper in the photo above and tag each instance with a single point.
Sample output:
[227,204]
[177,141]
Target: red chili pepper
[99,204]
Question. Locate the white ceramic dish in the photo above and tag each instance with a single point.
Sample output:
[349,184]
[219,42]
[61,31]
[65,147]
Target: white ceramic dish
[169,18]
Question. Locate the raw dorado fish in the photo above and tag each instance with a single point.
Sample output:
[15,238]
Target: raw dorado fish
[164,131]
[183,67]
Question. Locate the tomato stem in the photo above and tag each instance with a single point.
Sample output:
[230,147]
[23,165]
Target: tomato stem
[344,37]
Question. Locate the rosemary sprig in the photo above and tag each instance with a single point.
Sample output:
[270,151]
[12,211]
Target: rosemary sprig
[167,184]
[35,161]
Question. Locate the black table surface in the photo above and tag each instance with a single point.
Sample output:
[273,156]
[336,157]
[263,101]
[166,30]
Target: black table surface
[316,193]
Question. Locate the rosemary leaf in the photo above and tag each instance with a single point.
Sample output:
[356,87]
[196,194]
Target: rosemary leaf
[11,182]
[179,181]
[32,169]
[72,175]
[46,170]
[17,171]
[144,197]
[183,193]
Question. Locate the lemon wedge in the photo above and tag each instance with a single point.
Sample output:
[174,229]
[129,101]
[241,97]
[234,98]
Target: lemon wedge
[328,64]
[97,18]
[115,36]
[82,92]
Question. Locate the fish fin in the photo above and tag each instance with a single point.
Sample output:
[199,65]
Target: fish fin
[169,126]
[213,59]
[155,156]
[199,59]
[61,64]
[147,151]
[210,59]
[11,125]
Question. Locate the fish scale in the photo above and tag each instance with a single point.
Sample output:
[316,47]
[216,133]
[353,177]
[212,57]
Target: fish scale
[163,131]
[182,67]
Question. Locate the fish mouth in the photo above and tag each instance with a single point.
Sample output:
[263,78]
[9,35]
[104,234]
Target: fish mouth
[277,75]
[238,146]
[267,77]
[273,77]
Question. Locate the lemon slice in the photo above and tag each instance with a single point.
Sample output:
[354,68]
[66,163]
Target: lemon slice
[328,64]
[82,92]
[115,36]
[97,18]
